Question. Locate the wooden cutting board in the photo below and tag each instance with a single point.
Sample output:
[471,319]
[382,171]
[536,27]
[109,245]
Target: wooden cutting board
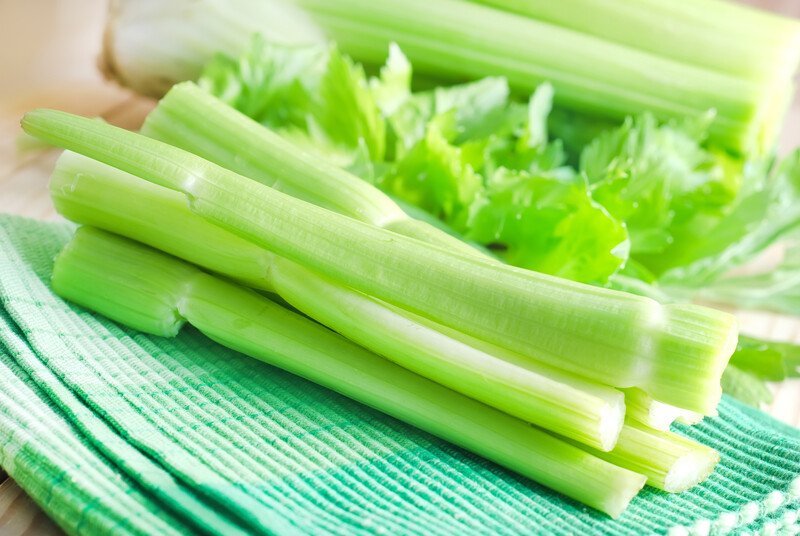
[57,43]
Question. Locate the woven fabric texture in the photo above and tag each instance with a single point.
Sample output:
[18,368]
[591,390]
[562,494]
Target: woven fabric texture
[114,431]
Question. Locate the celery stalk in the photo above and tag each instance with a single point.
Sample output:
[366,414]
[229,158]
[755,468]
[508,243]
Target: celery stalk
[675,352]
[451,38]
[749,44]
[642,408]
[102,271]
[713,34]
[568,405]
[190,118]
[92,193]
[670,462]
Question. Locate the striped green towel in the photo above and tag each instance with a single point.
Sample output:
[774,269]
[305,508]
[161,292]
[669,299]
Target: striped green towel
[113,431]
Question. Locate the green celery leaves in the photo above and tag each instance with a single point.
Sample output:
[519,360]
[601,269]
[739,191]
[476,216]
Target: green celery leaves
[435,176]
[644,194]
[655,178]
[547,223]
[269,83]
[311,92]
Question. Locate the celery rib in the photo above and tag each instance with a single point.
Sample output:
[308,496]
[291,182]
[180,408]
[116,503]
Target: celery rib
[454,39]
[612,337]
[670,462]
[745,128]
[94,270]
[151,65]
[95,194]
[590,413]
[84,191]
[190,118]
[712,34]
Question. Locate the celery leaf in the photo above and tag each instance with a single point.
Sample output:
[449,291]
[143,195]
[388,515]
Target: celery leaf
[346,110]
[767,212]
[434,175]
[549,225]
[270,83]
[654,177]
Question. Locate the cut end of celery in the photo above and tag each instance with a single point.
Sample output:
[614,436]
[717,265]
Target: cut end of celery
[662,415]
[669,461]
[617,504]
[690,470]
[612,418]
[655,414]
[693,354]
[80,274]
[691,418]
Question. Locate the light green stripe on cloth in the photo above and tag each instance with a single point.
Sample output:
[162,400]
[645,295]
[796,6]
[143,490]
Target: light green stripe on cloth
[273,453]
[68,478]
[127,458]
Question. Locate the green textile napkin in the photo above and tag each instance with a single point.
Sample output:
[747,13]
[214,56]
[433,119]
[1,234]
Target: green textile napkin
[114,431]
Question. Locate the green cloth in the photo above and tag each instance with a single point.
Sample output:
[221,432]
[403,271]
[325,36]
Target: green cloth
[113,431]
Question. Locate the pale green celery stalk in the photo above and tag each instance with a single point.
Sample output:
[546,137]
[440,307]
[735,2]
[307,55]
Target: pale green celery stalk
[676,352]
[557,401]
[92,193]
[670,462]
[88,192]
[713,34]
[159,293]
[454,39]
[642,408]
[190,118]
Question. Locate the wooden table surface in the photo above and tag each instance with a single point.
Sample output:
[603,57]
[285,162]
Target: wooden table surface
[57,43]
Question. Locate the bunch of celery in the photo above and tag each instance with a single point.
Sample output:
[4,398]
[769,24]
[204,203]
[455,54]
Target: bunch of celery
[461,255]
[158,293]
[540,349]
[607,58]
